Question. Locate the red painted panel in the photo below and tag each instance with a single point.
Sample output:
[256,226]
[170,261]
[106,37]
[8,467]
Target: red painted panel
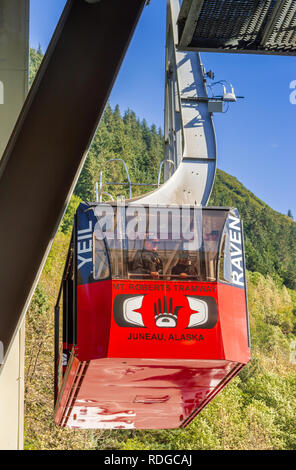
[158,351]
[155,341]
[94,310]
[105,330]
[66,390]
[234,328]
[144,394]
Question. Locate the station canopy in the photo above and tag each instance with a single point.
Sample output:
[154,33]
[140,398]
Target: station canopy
[243,26]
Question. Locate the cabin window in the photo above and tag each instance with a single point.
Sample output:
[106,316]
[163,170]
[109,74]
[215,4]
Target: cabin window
[168,244]
[101,268]
[225,271]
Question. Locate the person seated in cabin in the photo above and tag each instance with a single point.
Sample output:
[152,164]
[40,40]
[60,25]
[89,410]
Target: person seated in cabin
[184,268]
[147,260]
[212,236]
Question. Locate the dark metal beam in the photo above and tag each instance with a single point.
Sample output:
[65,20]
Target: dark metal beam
[190,22]
[184,10]
[48,146]
[275,21]
[249,26]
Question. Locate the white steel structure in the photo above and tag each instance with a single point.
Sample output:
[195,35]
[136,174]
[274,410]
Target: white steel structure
[190,140]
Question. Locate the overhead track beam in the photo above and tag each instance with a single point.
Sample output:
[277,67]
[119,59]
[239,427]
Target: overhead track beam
[283,12]
[246,26]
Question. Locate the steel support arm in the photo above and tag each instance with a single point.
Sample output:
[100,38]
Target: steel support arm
[190,141]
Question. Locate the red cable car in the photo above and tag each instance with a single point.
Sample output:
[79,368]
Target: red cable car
[154,320]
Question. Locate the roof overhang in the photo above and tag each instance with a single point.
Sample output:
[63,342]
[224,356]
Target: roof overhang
[245,26]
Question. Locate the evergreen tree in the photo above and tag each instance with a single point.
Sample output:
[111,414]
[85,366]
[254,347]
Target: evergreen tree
[290,214]
[36,58]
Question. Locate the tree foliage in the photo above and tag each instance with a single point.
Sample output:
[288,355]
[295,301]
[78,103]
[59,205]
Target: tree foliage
[36,57]
[270,237]
[121,137]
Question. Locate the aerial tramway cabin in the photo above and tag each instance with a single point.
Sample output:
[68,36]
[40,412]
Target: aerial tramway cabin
[151,319]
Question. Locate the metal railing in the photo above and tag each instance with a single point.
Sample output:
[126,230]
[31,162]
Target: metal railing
[100,184]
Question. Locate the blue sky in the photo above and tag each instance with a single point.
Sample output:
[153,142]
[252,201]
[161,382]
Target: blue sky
[256,138]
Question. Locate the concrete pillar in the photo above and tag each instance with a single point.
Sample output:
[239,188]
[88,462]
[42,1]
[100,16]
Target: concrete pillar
[12,396]
[14,63]
[14,70]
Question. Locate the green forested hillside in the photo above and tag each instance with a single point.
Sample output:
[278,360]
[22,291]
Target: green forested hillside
[127,138]
[257,410]
[270,237]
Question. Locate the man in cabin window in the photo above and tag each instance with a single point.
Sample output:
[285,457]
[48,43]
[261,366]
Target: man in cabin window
[147,260]
[184,268]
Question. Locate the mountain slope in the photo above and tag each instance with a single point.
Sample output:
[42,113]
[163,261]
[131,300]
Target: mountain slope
[270,237]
